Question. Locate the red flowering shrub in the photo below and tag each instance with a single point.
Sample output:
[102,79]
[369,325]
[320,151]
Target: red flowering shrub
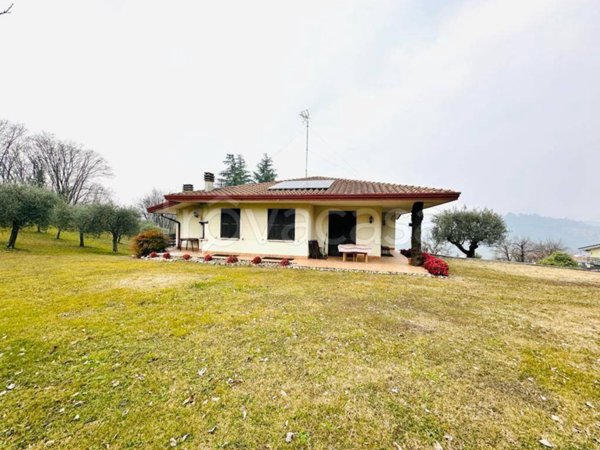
[232,259]
[435,266]
[256,260]
[153,255]
[208,257]
[166,255]
[186,257]
[284,262]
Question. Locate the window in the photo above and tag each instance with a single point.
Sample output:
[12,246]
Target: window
[230,223]
[282,225]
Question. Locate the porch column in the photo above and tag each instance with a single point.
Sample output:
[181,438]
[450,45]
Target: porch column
[416,258]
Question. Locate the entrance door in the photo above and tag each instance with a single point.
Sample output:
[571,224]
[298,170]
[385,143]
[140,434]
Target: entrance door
[342,230]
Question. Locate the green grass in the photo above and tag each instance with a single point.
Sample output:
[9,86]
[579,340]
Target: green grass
[104,352]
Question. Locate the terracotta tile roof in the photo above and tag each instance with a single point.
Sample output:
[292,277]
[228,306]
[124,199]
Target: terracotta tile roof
[339,189]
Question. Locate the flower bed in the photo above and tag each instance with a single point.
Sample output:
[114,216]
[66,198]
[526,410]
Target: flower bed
[434,265]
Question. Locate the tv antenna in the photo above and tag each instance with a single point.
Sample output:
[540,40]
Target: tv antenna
[306,119]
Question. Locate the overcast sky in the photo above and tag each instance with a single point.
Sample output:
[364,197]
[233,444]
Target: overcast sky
[499,99]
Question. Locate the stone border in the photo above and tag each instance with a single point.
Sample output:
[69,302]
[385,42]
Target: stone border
[293,266]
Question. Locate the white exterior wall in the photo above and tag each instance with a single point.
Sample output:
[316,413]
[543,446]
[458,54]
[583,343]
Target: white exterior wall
[190,225]
[388,230]
[594,252]
[312,222]
[253,229]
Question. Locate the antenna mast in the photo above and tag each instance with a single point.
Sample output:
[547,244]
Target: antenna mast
[306,118]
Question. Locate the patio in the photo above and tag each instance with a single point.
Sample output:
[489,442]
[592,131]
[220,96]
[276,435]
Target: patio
[386,264]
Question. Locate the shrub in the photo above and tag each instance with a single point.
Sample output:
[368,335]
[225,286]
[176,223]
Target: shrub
[232,259]
[434,265]
[186,257]
[166,255]
[149,241]
[256,260]
[208,257]
[153,255]
[560,259]
[284,262]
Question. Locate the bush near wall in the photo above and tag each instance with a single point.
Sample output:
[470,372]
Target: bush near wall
[559,259]
[149,242]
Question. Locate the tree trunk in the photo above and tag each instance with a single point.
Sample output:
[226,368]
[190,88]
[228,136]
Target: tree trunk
[13,236]
[471,252]
[416,254]
[81,244]
[39,229]
[115,242]
[58,233]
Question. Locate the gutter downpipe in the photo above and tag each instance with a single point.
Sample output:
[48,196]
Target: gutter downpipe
[178,229]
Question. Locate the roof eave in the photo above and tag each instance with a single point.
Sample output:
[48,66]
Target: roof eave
[161,206]
[589,247]
[449,196]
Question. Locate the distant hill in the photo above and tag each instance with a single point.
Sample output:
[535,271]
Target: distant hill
[572,233]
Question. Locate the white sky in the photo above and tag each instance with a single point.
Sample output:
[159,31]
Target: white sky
[499,99]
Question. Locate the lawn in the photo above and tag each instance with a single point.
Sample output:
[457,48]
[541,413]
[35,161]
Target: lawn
[104,351]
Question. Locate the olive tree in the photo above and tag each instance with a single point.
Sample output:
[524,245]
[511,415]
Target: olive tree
[87,219]
[469,229]
[118,221]
[21,206]
[62,217]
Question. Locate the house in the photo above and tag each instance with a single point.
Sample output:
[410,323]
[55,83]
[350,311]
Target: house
[280,218]
[593,251]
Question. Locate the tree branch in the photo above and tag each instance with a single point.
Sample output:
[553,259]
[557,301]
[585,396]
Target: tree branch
[7,10]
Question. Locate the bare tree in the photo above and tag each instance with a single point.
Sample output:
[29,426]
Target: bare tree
[7,10]
[14,162]
[154,198]
[522,249]
[72,171]
[504,250]
[434,246]
[546,248]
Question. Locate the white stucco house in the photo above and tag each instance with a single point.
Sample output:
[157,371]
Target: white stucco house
[280,218]
[592,251]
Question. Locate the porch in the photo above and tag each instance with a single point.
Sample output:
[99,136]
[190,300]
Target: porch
[385,264]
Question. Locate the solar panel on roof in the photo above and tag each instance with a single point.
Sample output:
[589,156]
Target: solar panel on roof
[302,184]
